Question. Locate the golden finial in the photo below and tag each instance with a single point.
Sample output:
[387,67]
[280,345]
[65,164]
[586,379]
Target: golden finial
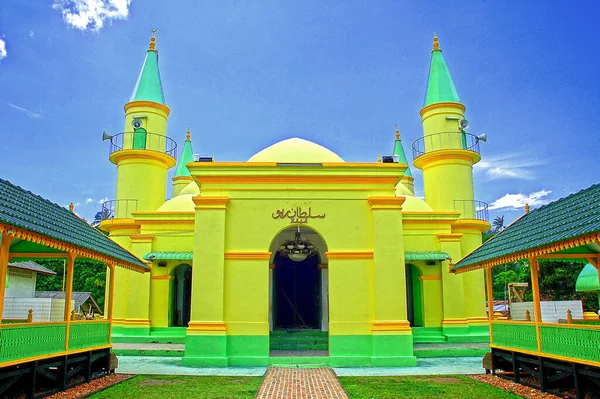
[397,133]
[436,44]
[72,207]
[153,41]
[526,208]
[378,158]
[188,136]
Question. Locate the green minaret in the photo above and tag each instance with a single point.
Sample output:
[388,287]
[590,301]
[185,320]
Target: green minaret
[182,174]
[407,180]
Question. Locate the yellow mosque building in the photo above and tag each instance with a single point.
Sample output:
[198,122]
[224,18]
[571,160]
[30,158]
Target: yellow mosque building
[295,249]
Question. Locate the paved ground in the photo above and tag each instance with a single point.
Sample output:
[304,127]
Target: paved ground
[452,346]
[292,383]
[173,366]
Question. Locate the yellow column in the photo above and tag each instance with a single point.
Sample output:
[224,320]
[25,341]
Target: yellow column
[108,311]
[537,310]
[392,335]
[69,295]
[490,299]
[138,307]
[206,340]
[4,254]
[455,324]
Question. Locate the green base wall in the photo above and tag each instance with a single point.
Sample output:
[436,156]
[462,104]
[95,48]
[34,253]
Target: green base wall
[161,335]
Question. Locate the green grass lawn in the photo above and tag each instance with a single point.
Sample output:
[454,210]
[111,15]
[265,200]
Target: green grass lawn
[438,387]
[183,387]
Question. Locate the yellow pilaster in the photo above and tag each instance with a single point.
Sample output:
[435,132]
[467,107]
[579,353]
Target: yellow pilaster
[209,251]
[138,309]
[455,321]
[432,305]
[388,260]
[160,287]
[4,255]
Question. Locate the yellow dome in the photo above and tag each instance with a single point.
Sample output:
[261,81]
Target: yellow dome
[191,188]
[181,203]
[296,150]
[401,190]
[414,204]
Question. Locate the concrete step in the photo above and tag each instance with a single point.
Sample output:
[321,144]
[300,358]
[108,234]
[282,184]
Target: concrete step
[299,347]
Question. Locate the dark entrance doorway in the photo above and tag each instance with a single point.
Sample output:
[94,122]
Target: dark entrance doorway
[413,297]
[297,293]
[182,295]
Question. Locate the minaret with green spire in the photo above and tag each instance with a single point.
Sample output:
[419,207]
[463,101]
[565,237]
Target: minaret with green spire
[143,155]
[183,176]
[447,165]
[407,180]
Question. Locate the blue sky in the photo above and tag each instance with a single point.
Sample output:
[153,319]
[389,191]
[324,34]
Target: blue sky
[244,75]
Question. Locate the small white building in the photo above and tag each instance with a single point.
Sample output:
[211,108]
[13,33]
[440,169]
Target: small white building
[19,296]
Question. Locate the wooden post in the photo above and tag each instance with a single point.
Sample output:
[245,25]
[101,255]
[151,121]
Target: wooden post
[569,317]
[490,298]
[537,310]
[4,253]
[69,295]
[111,296]
[527,315]
[30,316]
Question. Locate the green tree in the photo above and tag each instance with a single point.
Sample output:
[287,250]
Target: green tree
[88,276]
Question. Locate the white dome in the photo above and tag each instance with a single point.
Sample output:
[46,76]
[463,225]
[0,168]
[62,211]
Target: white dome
[414,204]
[296,150]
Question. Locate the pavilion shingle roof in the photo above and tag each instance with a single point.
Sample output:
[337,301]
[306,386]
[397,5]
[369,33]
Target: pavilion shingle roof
[26,210]
[34,267]
[575,216]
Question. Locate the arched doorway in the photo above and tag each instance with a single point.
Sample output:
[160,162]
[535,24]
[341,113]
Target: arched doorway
[298,282]
[182,295]
[414,297]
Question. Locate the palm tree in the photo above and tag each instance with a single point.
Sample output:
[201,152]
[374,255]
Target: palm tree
[498,224]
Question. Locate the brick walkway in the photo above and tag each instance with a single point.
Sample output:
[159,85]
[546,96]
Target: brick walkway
[292,383]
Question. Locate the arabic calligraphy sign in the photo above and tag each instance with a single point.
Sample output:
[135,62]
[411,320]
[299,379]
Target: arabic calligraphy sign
[296,215]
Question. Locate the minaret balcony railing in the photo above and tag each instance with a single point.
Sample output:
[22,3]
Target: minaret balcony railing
[118,209]
[142,140]
[445,141]
[472,209]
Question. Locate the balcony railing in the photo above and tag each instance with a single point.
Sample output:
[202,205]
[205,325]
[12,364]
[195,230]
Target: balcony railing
[445,141]
[472,209]
[142,140]
[118,209]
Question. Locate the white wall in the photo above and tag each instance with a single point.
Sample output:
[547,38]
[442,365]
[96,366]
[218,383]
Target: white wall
[21,283]
[44,309]
[552,311]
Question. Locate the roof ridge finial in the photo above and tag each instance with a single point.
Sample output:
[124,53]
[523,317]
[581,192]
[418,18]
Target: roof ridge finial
[153,41]
[526,208]
[188,136]
[378,158]
[436,43]
[72,207]
[397,132]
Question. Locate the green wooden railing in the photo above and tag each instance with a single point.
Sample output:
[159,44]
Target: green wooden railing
[514,335]
[574,342]
[24,341]
[87,334]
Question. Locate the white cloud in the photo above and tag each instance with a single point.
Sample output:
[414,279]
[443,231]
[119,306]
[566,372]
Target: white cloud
[3,52]
[31,33]
[510,166]
[89,200]
[27,112]
[91,14]
[103,200]
[518,201]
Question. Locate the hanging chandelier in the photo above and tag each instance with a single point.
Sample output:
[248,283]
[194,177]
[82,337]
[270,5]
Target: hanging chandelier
[297,249]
